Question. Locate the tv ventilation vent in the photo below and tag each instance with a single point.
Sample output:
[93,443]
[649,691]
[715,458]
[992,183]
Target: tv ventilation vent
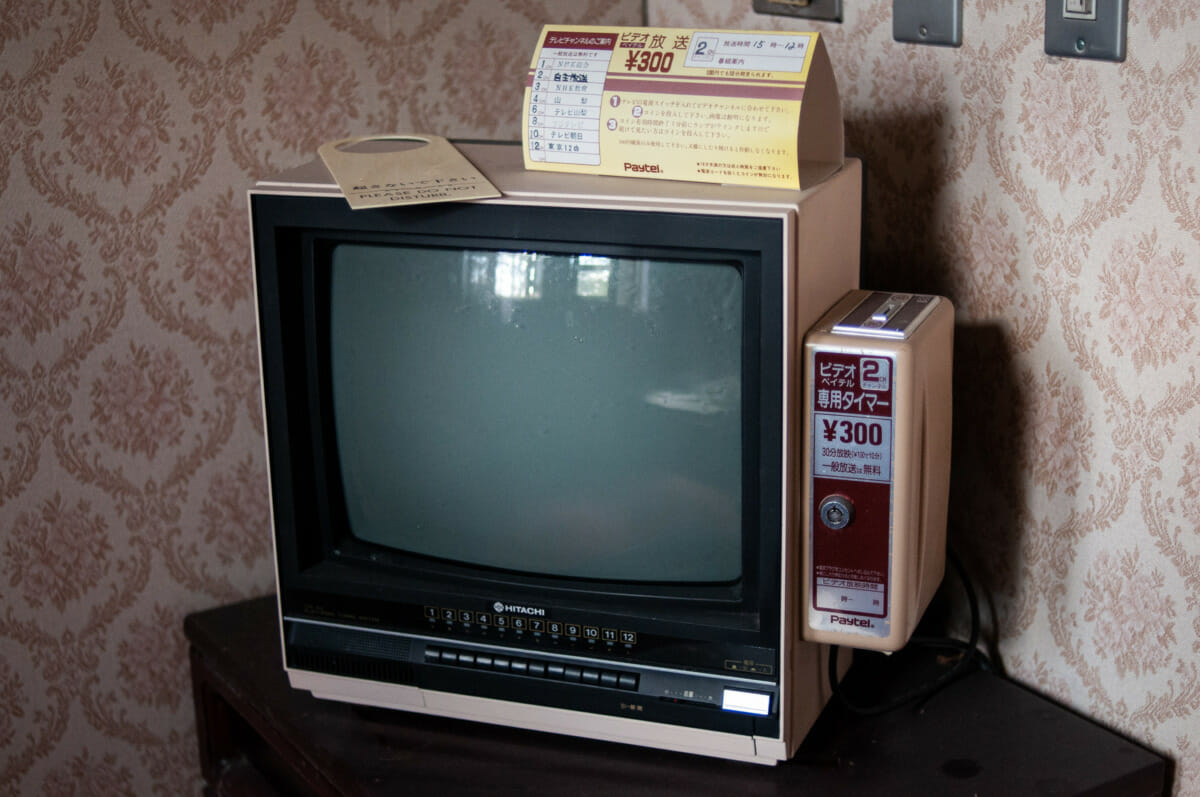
[355,654]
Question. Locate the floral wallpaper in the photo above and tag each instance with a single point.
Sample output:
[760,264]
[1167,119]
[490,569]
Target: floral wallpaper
[1057,202]
[132,471]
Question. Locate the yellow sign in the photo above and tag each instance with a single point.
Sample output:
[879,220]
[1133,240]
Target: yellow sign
[716,106]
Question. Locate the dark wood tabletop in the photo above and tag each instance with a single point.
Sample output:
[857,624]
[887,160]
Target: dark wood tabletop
[981,735]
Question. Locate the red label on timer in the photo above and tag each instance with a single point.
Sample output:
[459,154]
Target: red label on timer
[852,417]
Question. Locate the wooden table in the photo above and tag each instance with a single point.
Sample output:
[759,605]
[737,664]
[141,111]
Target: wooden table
[981,735]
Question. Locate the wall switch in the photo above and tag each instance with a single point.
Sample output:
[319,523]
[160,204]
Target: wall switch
[1086,28]
[1079,9]
[927,22]
[830,10]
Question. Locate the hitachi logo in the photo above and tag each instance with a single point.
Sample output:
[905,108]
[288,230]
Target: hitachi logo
[505,608]
[857,622]
[648,168]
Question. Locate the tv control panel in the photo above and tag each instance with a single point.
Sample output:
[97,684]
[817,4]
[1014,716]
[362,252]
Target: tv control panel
[579,672]
[547,629]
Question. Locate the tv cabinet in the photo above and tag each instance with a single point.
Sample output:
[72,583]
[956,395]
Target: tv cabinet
[982,734]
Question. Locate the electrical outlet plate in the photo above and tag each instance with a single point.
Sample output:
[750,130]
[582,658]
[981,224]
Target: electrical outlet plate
[830,10]
[927,22]
[1086,28]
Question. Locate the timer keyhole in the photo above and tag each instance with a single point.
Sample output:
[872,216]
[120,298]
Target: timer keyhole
[837,512]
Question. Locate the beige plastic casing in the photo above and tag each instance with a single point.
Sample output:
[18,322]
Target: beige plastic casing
[820,231]
[921,466]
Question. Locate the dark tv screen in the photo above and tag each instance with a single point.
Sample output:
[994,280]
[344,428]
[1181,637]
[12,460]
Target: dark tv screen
[557,414]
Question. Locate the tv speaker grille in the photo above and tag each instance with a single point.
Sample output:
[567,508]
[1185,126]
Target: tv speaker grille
[349,652]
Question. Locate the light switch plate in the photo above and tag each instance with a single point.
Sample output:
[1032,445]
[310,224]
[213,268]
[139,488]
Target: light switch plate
[830,10]
[1086,28]
[927,22]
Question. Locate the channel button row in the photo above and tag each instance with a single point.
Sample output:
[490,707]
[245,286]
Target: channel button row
[552,670]
[554,628]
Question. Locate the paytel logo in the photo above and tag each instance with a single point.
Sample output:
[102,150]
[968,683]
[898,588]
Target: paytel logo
[857,622]
[505,608]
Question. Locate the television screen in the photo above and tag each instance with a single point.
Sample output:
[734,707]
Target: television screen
[561,414]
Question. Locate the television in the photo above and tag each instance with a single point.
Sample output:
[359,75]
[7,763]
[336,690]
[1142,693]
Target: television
[537,460]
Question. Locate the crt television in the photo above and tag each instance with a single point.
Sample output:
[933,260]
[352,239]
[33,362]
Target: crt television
[540,460]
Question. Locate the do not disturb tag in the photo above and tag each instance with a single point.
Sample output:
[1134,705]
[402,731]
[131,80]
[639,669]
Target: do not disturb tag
[402,169]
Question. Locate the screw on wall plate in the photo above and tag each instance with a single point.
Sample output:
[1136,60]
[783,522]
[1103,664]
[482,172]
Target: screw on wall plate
[1086,28]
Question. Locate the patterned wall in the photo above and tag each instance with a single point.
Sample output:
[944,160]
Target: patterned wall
[132,481]
[1057,202]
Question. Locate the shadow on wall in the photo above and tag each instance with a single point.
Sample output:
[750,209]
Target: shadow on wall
[907,174]
[909,166]
[986,483]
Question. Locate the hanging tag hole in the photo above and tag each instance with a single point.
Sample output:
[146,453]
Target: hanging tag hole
[377,146]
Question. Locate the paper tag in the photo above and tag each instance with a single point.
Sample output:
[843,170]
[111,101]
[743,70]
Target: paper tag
[403,169]
[753,108]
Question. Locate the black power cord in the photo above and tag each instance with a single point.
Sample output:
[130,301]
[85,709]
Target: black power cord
[968,654]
